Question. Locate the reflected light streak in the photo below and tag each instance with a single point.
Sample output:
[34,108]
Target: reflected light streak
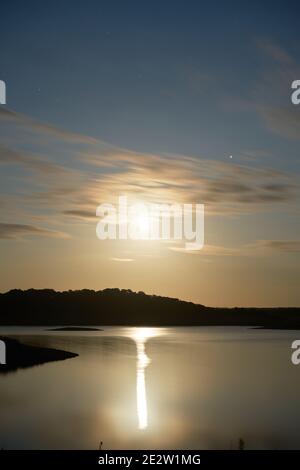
[140,336]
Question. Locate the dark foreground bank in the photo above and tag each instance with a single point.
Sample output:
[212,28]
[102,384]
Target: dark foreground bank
[21,356]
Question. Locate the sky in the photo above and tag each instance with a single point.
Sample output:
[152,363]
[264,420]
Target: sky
[171,102]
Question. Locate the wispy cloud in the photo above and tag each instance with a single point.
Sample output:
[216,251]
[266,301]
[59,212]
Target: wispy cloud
[284,120]
[12,157]
[281,246]
[44,128]
[272,94]
[12,231]
[275,51]
[209,250]
[71,191]
[223,187]
[81,214]
[258,248]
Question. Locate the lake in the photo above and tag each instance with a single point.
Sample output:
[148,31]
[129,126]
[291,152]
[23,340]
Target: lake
[159,388]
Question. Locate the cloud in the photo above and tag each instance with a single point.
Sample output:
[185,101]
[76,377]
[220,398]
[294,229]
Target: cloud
[258,248]
[282,246]
[10,156]
[81,214]
[101,173]
[122,260]
[44,128]
[272,94]
[283,120]
[223,187]
[209,250]
[275,51]
[12,231]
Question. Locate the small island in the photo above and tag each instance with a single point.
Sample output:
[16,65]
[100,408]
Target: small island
[21,356]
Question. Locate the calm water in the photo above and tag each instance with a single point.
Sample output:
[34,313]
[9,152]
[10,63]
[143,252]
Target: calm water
[184,388]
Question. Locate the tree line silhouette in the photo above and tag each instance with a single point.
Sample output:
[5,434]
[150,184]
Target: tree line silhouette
[125,307]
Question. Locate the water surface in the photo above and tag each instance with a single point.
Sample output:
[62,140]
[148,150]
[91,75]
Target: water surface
[184,388]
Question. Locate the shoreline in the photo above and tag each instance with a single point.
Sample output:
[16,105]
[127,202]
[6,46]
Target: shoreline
[22,356]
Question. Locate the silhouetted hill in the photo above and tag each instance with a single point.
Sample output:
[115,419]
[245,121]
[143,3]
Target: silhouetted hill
[124,307]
